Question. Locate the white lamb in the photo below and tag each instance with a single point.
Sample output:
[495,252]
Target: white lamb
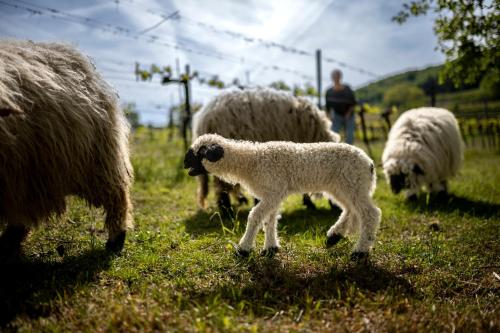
[424,148]
[273,170]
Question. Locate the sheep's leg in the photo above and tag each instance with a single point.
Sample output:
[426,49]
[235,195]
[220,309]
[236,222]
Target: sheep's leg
[222,190]
[369,216]
[11,239]
[271,243]
[306,201]
[440,188]
[236,192]
[412,194]
[257,215]
[118,218]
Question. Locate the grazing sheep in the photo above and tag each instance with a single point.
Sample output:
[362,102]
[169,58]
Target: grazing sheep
[273,170]
[61,133]
[259,114]
[424,148]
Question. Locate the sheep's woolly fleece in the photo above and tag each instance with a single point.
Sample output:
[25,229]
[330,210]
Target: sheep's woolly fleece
[427,137]
[261,114]
[61,132]
[271,171]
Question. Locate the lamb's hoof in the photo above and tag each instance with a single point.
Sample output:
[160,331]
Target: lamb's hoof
[412,198]
[116,245]
[333,239]
[359,256]
[270,252]
[240,253]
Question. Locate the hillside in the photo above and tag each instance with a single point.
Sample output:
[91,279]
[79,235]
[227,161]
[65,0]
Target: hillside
[463,99]
[373,93]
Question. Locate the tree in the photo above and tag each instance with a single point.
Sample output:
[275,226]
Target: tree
[404,96]
[468,35]
[490,87]
[430,87]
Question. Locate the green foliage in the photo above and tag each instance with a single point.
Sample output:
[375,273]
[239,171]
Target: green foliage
[280,85]
[468,35]
[216,82]
[130,111]
[404,96]
[490,86]
[307,90]
[311,90]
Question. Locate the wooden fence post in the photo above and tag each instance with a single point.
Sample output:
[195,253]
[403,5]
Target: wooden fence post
[363,127]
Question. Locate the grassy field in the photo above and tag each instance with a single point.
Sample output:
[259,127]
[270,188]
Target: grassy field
[432,269]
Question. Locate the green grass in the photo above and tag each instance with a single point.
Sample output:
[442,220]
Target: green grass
[178,272]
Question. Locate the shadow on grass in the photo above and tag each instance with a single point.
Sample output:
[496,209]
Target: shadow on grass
[29,286]
[273,286]
[452,203]
[297,221]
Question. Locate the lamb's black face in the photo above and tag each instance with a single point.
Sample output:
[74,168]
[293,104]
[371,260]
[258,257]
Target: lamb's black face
[192,161]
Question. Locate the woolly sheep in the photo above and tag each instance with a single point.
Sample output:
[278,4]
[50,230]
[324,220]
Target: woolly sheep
[259,114]
[61,133]
[424,148]
[273,170]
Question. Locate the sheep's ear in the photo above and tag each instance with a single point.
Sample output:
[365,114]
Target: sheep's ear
[418,170]
[214,153]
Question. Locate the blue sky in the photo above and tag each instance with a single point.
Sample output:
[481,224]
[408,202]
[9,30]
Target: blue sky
[359,33]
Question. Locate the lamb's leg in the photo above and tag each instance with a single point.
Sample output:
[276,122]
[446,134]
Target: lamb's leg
[338,231]
[369,216]
[257,215]
[271,243]
[118,218]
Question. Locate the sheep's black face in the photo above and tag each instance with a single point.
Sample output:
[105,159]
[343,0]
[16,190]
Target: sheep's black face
[398,182]
[192,161]
[401,181]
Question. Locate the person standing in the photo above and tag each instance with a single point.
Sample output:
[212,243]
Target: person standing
[340,102]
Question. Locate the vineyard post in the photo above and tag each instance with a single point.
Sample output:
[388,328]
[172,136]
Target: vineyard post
[363,127]
[187,116]
[318,75]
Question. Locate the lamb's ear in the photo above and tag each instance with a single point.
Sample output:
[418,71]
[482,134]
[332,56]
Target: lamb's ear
[214,152]
[418,170]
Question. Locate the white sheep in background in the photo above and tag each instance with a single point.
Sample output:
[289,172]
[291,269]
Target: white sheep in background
[273,170]
[424,148]
[61,133]
[259,114]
